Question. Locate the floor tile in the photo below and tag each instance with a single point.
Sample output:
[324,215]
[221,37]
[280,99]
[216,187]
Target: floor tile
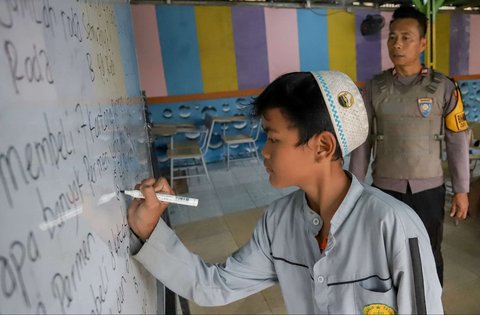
[241,224]
[202,228]
[455,275]
[213,248]
[223,178]
[464,299]
[198,184]
[178,215]
[233,199]
[248,162]
[208,206]
[246,174]
[273,296]
[261,189]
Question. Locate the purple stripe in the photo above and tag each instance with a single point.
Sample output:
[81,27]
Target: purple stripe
[250,47]
[459,43]
[369,57]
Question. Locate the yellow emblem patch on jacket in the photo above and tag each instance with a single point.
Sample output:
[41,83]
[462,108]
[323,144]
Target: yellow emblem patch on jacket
[378,309]
[455,120]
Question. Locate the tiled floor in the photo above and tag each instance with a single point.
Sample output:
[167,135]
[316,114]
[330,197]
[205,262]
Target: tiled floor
[227,213]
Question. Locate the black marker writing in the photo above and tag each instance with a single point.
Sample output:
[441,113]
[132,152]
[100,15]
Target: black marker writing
[39,12]
[17,168]
[65,285]
[11,267]
[71,25]
[34,68]
[99,297]
[64,207]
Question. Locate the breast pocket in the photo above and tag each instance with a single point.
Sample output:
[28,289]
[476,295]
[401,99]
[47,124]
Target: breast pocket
[375,296]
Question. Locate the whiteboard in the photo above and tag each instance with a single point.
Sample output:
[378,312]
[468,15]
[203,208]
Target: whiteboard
[72,135]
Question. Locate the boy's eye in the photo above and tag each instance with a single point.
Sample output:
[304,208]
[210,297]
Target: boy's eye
[272,140]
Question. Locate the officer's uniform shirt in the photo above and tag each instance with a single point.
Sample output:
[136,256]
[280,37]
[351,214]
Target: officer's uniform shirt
[366,266]
[456,146]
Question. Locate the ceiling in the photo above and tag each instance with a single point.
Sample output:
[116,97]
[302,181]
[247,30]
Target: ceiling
[472,6]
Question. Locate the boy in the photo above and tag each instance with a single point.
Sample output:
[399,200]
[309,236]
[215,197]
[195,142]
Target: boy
[334,245]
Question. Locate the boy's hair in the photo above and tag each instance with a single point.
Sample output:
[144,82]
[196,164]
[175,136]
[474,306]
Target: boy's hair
[409,12]
[300,100]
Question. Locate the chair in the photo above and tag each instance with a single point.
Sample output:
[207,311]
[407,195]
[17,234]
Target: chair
[250,139]
[185,150]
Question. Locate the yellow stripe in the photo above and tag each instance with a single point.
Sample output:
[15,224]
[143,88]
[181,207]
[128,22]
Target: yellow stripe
[341,42]
[442,44]
[217,49]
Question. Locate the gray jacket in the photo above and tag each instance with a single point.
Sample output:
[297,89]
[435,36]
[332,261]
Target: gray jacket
[368,261]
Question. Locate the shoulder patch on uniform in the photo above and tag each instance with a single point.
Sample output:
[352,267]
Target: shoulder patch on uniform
[378,308]
[456,120]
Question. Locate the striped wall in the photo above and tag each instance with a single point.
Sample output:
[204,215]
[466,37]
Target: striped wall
[250,41]
[442,34]
[149,54]
[202,49]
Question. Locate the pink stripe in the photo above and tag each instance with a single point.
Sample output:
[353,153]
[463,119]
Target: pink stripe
[386,62]
[282,41]
[149,54]
[474,62]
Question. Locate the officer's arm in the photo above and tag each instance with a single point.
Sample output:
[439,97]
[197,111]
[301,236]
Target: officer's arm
[360,157]
[457,142]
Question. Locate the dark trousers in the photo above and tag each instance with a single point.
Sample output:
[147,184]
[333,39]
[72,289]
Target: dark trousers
[429,205]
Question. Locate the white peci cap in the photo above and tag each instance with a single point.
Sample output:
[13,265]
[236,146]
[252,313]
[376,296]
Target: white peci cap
[346,108]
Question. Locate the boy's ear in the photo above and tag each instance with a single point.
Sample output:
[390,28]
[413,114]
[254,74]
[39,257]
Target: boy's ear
[325,145]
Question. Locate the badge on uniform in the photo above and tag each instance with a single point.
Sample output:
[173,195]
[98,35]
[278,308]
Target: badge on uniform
[425,106]
[378,309]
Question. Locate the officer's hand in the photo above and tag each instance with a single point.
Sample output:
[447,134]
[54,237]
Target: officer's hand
[143,214]
[459,206]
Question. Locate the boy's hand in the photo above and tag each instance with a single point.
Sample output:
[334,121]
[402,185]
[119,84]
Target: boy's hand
[143,214]
[459,206]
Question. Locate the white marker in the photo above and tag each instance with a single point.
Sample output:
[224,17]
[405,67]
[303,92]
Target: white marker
[163,197]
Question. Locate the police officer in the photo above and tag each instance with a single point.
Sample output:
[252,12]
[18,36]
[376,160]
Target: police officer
[413,110]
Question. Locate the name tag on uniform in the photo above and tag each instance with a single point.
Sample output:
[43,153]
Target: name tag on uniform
[425,106]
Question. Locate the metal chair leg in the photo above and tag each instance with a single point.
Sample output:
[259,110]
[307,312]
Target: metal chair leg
[228,157]
[171,173]
[206,171]
[256,151]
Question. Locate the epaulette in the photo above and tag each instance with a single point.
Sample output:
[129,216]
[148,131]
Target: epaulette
[381,80]
[436,79]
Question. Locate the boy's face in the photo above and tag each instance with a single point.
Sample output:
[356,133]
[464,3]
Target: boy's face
[405,43]
[286,163]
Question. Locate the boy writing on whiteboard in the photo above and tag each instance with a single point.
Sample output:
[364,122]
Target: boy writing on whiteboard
[334,245]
